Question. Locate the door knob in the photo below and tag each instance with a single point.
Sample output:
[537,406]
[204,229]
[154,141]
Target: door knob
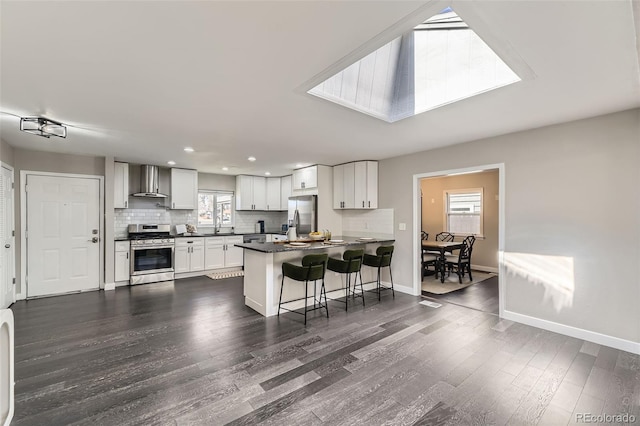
[93,240]
[7,246]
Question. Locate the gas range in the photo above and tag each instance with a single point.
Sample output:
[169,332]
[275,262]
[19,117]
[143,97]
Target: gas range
[150,235]
[152,253]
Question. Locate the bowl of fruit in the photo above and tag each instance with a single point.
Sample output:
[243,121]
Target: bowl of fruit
[316,235]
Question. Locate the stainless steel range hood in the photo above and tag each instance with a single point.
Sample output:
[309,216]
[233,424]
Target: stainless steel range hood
[149,183]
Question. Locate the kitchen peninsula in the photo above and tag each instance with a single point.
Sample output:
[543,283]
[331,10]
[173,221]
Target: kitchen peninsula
[263,270]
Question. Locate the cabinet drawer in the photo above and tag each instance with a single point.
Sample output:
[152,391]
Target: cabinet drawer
[189,242]
[122,246]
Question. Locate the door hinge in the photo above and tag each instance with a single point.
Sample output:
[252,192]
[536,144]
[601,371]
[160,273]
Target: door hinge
[14,280]
[13,233]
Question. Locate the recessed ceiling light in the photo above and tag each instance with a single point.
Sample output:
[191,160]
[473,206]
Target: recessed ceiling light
[298,166]
[225,168]
[267,173]
[251,158]
[189,149]
[171,163]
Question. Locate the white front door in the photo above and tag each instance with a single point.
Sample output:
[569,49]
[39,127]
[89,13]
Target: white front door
[7,264]
[63,230]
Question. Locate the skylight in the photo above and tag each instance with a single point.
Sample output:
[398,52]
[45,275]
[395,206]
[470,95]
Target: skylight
[438,62]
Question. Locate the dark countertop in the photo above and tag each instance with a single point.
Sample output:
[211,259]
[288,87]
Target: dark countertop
[282,247]
[219,234]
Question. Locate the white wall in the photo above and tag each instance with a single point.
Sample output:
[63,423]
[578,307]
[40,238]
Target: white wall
[572,210]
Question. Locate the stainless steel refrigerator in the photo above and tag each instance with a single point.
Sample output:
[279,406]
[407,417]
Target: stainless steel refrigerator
[303,213]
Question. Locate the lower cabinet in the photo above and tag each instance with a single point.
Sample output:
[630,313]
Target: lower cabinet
[221,252]
[122,263]
[189,255]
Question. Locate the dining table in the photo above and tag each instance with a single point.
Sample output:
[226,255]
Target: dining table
[442,247]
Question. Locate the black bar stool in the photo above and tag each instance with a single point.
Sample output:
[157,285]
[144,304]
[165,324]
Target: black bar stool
[381,260]
[312,269]
[350,264]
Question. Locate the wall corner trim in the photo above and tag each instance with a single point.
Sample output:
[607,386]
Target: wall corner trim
[579,333]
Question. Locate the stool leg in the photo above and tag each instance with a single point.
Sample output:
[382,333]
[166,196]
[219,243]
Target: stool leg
[378,283]
[280,300]
[361,288]
[347,289]
[326,304]
[391,277]
[306,289]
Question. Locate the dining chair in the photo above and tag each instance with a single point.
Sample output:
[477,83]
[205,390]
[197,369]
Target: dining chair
[461,261]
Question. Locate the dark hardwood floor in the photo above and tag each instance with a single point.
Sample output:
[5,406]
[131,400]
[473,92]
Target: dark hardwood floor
[482,296]
[191,353]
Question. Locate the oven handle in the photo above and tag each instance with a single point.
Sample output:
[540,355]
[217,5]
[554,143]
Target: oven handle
[134,248]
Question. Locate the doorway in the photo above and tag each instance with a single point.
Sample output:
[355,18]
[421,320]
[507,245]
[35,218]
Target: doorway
[463,202]
[61,233]
[7,260]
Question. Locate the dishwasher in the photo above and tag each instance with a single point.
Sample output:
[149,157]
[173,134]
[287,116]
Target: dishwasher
[254,238]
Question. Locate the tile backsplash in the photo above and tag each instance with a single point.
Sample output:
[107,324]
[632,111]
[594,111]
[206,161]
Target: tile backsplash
[244,221]
[374,223]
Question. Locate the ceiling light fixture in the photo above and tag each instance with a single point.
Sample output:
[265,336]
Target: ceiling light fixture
[251,158]
[267,173]
[171,163]
[43,127]
[189,149]
[225,168]
[299,165]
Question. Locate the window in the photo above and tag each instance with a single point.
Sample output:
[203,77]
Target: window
[463,211]
[440,61]
[215,209]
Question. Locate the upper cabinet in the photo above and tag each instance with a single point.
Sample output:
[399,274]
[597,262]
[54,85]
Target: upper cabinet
[285,192]
[366,185]
[343,189]
[251,193]
[273,193]
[305,178]
[355,185]
[121,185]
[184,189]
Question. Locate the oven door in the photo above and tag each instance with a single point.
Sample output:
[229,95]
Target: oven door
[151,259]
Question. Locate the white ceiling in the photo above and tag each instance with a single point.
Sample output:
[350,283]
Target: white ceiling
[145,79]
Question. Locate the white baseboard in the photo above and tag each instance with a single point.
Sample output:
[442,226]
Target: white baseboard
[484,268]
[579,333]
[109,286]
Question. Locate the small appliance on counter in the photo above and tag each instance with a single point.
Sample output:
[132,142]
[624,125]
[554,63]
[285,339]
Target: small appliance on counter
[259,227]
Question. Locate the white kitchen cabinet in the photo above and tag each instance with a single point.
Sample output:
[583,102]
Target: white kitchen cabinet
[220,252]
[184,189]
[120,185]
[122,263]
[305,178]
[189,255]
[233,256]
[251,193]
[343,186]
[285,192]
[366,185]
[355,185]
[214,253]
[273,193]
